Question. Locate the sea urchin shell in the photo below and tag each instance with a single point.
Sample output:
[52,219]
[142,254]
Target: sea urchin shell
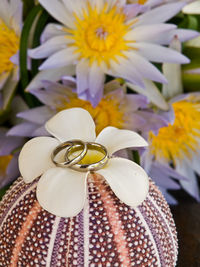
[105,233]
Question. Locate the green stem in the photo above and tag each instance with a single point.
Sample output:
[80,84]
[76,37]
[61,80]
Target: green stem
[24,74]
[41,23]
[136,157]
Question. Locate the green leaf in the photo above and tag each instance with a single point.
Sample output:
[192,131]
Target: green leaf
[191,52]
[188,22]
[191,81]
[24,73]
[192,23]
[195,64]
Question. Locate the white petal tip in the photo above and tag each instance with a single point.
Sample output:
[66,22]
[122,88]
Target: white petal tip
[164,81]
[42,67]
[30,53]
[185,60]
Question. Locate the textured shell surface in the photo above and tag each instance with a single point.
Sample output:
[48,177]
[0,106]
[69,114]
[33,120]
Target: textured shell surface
[105,233]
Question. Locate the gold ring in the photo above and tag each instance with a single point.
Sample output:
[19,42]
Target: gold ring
[67,145]
[88,167]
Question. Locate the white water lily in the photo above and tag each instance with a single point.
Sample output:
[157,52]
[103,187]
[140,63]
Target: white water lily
[117,44]
[62,191]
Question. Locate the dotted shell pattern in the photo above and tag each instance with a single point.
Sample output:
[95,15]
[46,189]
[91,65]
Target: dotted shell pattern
[105,233]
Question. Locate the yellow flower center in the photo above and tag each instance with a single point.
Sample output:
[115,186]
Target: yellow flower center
[142,2]
[109,112]
[9,45]
[4,161]
[180,139]
[99,34]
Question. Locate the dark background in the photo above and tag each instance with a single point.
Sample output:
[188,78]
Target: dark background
[187,219]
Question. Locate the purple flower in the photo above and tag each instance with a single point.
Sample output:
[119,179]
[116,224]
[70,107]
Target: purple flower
[9,151]
[116,108]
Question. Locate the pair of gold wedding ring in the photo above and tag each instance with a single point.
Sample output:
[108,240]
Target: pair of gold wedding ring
[75,163]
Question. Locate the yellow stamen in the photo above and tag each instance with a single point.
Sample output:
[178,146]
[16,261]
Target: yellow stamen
[109,112]
[142,2]
[9,45]
[180,139]
[4,162]
[99,34]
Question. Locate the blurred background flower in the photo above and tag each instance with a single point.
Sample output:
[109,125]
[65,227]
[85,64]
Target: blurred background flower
[116,108]
[9,152]
[173,151]
[10,31]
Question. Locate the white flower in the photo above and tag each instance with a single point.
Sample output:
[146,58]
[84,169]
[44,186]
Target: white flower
[62,191]
[97,38]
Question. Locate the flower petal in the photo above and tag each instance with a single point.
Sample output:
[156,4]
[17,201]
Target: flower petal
[152,92]
[82,74]
[5,11]
[62,58]
[115,139]
[50,75]
[38,115]
[62,191]
[3,78]
[96,79]
[146,32]
[192,8]
[148,70]
[159,14]
[50,47]
[57,9]
[128,180]
[52,30]
[75,7]
[126,70]
[24,129]
[74,123]
[182,34]
[9,88]
[35,157]
[190,185]
[16,10]
[160,54]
